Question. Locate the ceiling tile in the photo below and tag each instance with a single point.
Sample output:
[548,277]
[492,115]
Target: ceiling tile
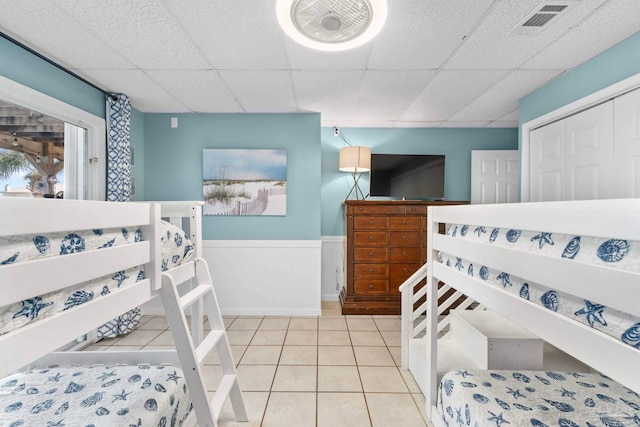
[501,124]
[361,124]
[304,58]
[510,117]
[490,45]
[143,31]
[385,94]
[47,29]
[469,124]
[608,25]
[331,92]
[234,34]
[503,98]
[422,34]
[425,124]
[449,92]
[144,93]
[201,91]
[261,91]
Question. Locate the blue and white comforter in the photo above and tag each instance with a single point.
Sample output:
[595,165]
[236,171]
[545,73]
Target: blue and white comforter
[613,253]
[538,399]
[176,248]
[95,396]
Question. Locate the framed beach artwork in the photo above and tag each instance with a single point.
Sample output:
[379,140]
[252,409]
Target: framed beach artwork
[244,182]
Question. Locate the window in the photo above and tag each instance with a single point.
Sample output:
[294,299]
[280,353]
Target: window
[50,147]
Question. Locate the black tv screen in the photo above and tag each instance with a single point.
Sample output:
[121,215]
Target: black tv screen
[410,176]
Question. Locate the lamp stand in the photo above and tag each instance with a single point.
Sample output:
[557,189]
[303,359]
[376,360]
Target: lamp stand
[355,187]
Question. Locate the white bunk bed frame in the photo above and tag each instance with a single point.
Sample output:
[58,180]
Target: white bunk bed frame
[34,345]
[618,289]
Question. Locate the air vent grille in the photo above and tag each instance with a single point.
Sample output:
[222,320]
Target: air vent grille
[553,8]
[539,19]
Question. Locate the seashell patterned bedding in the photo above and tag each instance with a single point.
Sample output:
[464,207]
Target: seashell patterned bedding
[175,249]
[612,253]
[101,395]
[532,398]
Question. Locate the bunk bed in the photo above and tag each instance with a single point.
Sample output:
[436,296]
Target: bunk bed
[89,283]
[567,272]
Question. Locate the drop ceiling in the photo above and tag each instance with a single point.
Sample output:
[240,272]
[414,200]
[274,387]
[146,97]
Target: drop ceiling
[436,63]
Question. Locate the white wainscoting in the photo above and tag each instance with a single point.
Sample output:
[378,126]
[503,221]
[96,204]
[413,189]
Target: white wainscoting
[266,277]
[332,267]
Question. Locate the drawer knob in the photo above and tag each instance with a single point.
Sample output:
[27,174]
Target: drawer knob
[370,253]
[397,209]
[413,209]
[360,209]
[370,221]
[370,286]
[405,253]
[405,222]
[370,237]
[405,270]
[405,238]
[371,270]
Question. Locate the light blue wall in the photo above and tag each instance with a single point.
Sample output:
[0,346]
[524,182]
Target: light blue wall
[173,167]
[611,66]
[455,144]
[25,68]
[137,144]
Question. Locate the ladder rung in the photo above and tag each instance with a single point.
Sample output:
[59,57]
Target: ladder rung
[221,394]
[193,295]
[208,343]
[182,273]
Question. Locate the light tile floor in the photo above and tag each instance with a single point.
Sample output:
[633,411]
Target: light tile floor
[328,371]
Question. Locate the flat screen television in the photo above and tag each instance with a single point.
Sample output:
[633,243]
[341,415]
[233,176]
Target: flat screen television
[409,176]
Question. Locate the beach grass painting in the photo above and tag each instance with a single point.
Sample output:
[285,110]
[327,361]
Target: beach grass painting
[244,182]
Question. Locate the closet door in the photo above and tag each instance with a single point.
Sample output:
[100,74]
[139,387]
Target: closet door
[589,151]
[627,145]
[547,155]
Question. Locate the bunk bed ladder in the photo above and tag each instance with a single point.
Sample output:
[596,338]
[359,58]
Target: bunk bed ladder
[191,357]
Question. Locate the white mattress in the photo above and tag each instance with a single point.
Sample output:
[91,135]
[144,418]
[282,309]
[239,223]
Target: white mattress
[613,253]
[176,248]
[95,396]
[532,398]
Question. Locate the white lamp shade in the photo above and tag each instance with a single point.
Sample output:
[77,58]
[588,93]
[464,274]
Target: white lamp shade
[355,159]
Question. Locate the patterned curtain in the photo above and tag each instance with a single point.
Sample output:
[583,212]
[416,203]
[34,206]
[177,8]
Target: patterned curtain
[118,149]
[119,188]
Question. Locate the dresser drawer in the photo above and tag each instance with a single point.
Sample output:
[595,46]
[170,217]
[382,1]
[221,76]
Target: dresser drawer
[401,272]
[362,271]
[377,209]
[405,223]
[370,238]
[370,286]
[412,238]
[405,254]
[370,223]
[371,254]
[417,210]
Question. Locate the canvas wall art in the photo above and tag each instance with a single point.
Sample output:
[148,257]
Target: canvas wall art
[244,182]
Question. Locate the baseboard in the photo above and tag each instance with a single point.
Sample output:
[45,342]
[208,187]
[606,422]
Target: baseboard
[271,312]
[330,297]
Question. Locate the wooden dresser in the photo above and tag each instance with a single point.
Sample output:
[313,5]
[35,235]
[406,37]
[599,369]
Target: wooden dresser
[386,243]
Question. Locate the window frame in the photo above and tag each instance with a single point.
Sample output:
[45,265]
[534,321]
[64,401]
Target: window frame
[32,99]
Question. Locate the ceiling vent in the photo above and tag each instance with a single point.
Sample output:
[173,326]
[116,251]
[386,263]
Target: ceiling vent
[544,15]
[331,25]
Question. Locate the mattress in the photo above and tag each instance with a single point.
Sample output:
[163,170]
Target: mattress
[176,248]
[533,398]
[612,253]
[95,396]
